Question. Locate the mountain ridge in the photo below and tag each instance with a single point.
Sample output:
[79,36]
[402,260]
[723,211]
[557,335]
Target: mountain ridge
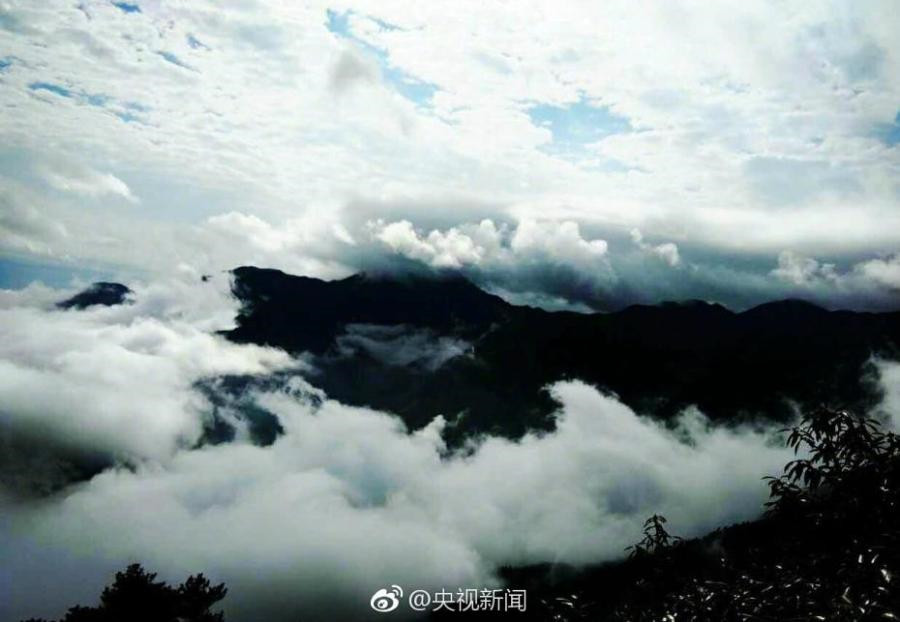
[657,359]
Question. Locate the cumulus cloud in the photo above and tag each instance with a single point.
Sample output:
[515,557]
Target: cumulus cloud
[549,258]
[667,251]
[801,270]
[557,242]
[452,249]
[873,278]
[884,272]
[549,263]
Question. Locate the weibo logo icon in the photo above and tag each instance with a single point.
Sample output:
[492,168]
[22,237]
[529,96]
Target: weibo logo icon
[385,601]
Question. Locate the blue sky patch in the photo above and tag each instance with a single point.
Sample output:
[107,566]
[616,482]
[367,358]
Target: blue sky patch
[130,112]
[171,58]
[195,43]
[127,7]
[19,273]
[339,23]
[409,87]
[417,91]
[96,99]
[889,133]
[578,124]
[52,88]
[126,111]
[92,99]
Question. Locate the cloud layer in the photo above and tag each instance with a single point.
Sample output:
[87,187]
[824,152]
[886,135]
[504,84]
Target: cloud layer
[191,134]
[346,501]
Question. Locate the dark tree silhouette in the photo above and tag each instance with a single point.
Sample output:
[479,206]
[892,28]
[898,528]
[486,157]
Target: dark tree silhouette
[828,547]
[656,538]
[136,596]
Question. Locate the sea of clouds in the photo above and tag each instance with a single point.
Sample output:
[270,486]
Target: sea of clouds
[346,500]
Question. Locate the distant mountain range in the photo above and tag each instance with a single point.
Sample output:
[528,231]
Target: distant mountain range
[424,346]
[420,346]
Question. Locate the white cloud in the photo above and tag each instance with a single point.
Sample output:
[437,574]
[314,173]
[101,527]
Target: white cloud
[26,228]
[885,271]
[346,501]
[87,182]
[485,244]
[889,379]
[401,345]
[865,277]
[350,69]
[770,142]
[452,249]
[667,251]
[557,242]
[118,381]
[801,270]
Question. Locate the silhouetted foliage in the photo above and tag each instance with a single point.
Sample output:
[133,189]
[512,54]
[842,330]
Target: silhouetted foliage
[828,547]
[656,538]
[136,596]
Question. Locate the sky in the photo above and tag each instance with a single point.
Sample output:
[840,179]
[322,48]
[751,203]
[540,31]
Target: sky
[582,155]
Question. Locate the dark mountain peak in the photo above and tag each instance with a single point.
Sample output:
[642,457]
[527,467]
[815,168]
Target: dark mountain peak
[789,303]
[100,293]
[678,310]
[443,280]
[693,303]
[786,309]
[264,277]
[269,280]
[302,313]
[658,359]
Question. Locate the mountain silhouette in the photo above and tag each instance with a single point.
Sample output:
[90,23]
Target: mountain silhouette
[488,362]
[100,293]
[306,314]
[658,359]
